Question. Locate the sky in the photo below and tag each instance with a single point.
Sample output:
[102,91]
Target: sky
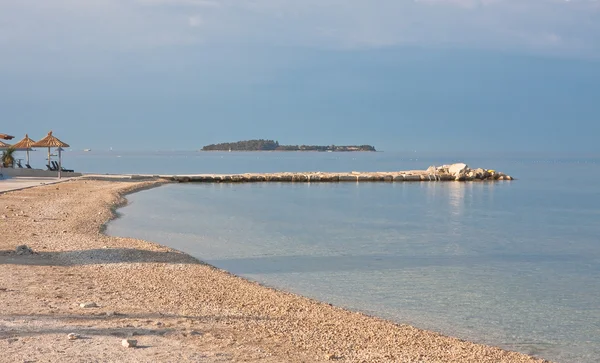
[438,75]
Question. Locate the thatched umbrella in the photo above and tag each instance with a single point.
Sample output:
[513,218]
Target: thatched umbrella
[3,145]
[51,141]
[6,137]
[25,144]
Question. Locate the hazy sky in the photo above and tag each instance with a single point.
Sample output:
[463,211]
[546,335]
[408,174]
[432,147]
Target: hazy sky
[399,74]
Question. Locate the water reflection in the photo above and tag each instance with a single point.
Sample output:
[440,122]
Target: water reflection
[456,198]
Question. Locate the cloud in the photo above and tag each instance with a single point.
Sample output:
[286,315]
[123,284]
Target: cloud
[195,21]
[195,3]
[551,26]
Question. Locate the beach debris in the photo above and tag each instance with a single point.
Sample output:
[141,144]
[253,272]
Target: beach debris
[129,343]
[73,336]
[330,356]
[88,305]
[24,250]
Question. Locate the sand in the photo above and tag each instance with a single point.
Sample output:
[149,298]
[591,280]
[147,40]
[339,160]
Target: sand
[177,308]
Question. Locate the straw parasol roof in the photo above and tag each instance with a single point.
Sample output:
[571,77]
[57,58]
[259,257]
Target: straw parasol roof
[50,141]
[24,144]
[4,145]
[6,137]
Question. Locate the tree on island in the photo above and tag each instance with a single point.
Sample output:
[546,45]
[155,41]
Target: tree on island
[271,145]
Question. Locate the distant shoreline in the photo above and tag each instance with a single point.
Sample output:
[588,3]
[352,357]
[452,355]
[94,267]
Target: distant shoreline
[304,151]
[272,145]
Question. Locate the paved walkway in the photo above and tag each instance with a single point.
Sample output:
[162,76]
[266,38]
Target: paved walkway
[8,184]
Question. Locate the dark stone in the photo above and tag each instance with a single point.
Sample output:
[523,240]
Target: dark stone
[299,178]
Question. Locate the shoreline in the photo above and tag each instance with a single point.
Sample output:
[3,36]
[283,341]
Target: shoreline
[172,303]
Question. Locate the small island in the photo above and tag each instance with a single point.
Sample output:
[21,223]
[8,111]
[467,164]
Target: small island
[271,145]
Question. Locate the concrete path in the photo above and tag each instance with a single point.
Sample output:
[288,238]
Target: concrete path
[8,184]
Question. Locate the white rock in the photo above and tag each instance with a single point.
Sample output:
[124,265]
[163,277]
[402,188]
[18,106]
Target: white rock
[73,336]
[88,305]
[457,169]
[129,343]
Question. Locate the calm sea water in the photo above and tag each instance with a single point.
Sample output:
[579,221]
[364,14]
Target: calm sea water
[513,264]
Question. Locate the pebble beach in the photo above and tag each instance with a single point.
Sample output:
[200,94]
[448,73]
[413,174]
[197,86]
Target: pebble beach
[80,296]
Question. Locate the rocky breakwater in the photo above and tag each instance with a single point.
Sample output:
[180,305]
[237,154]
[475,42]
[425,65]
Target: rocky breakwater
[462,172]
[454,172]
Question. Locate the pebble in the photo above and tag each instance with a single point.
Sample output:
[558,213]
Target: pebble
[88,305]
[73,336]
[24,250]
[129,343]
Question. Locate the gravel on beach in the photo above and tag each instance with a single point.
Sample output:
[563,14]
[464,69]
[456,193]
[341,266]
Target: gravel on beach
[82,296]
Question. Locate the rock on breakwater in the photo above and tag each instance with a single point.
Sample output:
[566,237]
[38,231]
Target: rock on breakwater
[454,172]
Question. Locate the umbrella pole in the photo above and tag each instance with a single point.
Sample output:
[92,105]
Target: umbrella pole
[59,163]
[27,156]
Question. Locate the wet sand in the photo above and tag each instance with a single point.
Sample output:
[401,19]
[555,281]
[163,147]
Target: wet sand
[177,308]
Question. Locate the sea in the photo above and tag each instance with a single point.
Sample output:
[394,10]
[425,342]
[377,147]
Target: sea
[513,264]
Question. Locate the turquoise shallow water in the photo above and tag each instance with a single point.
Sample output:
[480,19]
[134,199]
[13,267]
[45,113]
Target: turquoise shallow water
[514,264]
